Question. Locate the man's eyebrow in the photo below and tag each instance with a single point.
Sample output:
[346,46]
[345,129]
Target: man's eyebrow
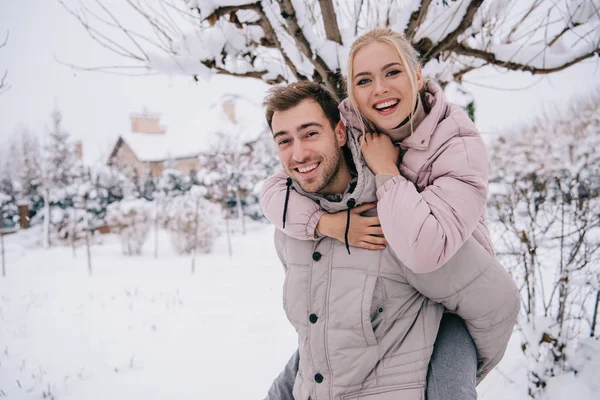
[279,134]
[308,125]
[298,129]
[382,68]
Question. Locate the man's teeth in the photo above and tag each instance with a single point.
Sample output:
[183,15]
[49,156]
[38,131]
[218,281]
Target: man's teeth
[386,104]
[307,169]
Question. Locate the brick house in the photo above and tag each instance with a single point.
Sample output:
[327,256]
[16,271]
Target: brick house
[148,146]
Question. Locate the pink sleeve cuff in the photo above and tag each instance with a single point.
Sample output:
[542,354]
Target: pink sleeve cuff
[311,227]
[388,182]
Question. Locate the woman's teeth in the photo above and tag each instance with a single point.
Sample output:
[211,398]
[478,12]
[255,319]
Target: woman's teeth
[308,169]
[387,104]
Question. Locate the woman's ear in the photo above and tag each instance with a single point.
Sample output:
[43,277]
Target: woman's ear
[420,82]
[340,133]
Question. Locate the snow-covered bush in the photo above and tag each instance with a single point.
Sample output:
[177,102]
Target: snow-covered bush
[544,210]
[193,222]
[132,220]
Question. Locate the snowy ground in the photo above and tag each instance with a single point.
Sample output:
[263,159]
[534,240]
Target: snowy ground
[145,328]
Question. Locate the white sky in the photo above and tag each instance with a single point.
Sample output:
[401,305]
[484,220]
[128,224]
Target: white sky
[95,105]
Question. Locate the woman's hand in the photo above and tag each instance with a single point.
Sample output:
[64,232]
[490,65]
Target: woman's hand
[364,232]
[379,153]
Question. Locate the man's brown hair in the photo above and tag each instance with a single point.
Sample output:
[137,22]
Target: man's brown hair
[282,98]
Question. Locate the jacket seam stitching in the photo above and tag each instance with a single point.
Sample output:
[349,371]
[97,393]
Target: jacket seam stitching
[466,285]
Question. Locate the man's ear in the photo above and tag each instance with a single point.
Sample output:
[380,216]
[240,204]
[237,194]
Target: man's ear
[340,133]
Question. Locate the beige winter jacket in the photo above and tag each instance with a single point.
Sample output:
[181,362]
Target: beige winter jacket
[366,323]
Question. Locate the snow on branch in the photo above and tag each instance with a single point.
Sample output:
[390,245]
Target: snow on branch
[289,40]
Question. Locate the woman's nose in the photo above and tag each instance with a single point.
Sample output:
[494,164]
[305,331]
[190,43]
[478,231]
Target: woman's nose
[380,86]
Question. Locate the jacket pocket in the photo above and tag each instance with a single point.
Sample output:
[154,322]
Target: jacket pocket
[300,392]
[367,301]
[409,391]
[295,294]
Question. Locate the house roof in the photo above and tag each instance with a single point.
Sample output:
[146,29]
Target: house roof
[202,134]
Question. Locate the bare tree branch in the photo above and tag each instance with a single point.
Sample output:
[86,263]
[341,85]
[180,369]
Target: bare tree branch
[491,59]
[451,39]
[4,86]
[416,19]
[332,30]
[321,68]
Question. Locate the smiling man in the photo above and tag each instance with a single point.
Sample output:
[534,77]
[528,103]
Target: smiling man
[366,323]
[309,141]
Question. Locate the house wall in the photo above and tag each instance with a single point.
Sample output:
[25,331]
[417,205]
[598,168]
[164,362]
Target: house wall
[185,165]
[125,160]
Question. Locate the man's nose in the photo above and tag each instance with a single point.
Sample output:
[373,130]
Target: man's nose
[300,151]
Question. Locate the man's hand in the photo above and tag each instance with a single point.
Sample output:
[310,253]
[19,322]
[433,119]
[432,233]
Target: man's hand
[364,232]
[379,153]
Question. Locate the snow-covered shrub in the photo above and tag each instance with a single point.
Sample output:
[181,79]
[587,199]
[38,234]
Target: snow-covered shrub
[132,220]
[544,211]
[193,222]
[173,183]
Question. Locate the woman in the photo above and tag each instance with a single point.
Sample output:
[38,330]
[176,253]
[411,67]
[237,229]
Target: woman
[435,200]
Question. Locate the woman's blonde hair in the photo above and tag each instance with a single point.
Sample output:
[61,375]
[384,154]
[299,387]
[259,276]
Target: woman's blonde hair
[409,57]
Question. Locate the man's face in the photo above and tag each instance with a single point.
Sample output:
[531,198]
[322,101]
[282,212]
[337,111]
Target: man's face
[309,149]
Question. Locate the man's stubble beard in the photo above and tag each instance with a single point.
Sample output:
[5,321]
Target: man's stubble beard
[330,172]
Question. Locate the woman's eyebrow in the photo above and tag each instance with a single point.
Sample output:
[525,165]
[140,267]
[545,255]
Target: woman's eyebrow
[382,68]
[390,65]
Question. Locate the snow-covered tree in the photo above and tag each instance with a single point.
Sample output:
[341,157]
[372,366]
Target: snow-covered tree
[59,170]
[545,214]
[286,40]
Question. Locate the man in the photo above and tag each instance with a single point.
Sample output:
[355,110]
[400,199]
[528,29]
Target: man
[365,326]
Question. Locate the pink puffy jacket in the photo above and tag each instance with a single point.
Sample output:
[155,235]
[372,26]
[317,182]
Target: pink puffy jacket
[430,210]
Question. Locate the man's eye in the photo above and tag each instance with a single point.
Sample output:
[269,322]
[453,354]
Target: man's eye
[363,81]
[313,133]
[283,142]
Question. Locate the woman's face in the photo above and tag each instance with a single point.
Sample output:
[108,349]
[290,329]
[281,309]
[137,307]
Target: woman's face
[381,85]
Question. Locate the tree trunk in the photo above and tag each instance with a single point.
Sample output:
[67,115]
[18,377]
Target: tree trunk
[46,238]
[595,315]
[228,234]
[195,235]
[86,227]
[2,246]
[156,210]
[73,230]
[240,209]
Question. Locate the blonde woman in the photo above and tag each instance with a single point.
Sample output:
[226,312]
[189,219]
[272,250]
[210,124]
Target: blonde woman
[430,167]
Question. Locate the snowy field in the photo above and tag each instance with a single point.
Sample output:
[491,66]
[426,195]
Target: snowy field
[145,328]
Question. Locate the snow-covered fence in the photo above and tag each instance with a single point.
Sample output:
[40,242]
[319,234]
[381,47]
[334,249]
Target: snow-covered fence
[544,210]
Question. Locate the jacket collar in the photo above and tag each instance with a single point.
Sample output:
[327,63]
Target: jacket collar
[434,103]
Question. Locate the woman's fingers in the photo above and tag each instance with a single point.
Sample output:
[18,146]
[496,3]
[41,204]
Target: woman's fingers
[363,207]
[370,246]
[379,240]
[374,230]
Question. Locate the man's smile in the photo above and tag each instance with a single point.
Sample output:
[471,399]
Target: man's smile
[307,171]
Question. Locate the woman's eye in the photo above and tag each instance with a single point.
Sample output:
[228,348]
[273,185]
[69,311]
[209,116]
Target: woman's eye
[363,81]
[393,72]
